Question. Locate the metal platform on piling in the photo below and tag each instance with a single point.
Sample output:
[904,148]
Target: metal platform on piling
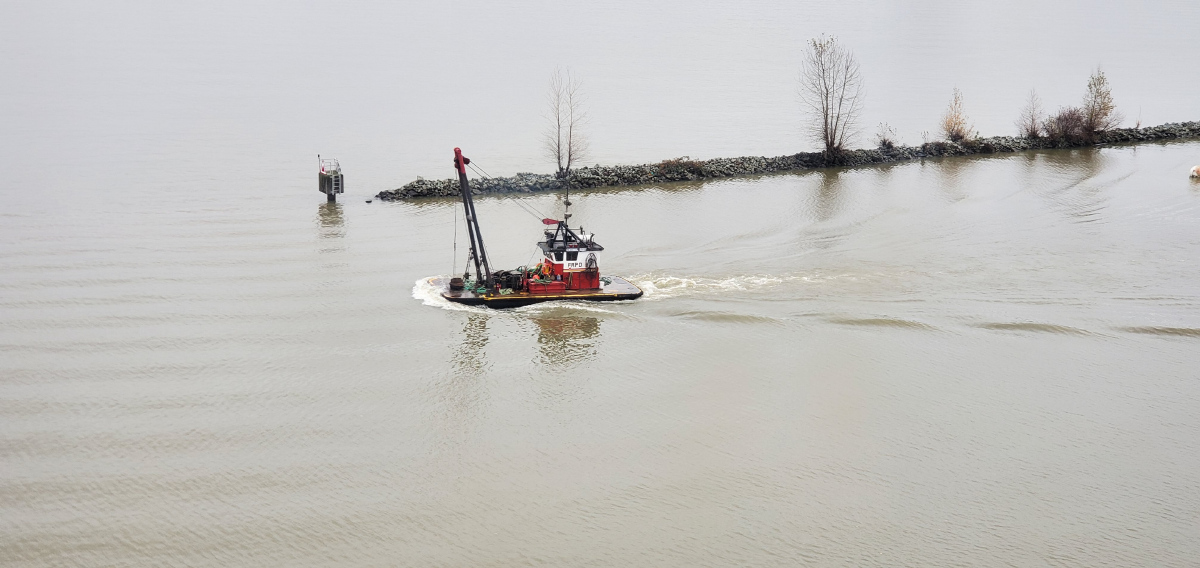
[330,180]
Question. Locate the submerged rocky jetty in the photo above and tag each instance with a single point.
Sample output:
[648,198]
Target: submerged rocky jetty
[684,169]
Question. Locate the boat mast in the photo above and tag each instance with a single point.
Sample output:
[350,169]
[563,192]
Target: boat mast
[478,253]
[567,201]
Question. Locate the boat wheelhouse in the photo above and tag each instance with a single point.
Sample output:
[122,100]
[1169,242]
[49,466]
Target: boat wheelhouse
[569,260]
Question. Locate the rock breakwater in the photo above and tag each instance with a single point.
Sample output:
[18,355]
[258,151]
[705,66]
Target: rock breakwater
[685,169]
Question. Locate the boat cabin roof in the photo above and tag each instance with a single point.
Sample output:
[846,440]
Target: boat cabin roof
[563,238]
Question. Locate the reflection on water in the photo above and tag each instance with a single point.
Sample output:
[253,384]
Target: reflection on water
[827,201]
[469,358]
[567,341]
[950,173]
[331,228]
[883,173]
[330,221]
[458,398]
[1076,188]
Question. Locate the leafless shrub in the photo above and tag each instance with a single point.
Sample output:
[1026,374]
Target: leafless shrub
[886,138]
[680,167]
[831,90]
[1099,112]
[564,141]
[1029,124]
[954,123]
[1068,126]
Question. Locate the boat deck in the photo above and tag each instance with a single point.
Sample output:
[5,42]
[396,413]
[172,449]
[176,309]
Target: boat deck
[617,289]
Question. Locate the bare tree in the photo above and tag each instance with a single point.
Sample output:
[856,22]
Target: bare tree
[1099,112]
[564,140]
[954,123]
[831,90]
[1029,124]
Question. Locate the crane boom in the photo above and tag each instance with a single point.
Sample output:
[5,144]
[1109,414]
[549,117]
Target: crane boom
[478,253]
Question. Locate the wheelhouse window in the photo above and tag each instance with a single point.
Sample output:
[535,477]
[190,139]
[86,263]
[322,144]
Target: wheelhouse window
[558,257]
[572,255]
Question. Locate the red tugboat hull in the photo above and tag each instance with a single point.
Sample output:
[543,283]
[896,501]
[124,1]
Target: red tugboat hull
[616,289]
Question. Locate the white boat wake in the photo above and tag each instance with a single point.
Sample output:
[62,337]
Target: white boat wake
[661,287]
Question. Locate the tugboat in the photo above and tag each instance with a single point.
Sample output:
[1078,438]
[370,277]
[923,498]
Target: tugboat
[569,269]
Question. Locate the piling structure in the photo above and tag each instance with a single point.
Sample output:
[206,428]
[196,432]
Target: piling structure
[330,180]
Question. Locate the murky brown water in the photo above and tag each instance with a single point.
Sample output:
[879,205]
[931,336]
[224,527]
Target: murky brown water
[971,361]
[984,362]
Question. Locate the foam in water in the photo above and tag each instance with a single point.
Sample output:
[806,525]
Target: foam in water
[662,287]
[431,295]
